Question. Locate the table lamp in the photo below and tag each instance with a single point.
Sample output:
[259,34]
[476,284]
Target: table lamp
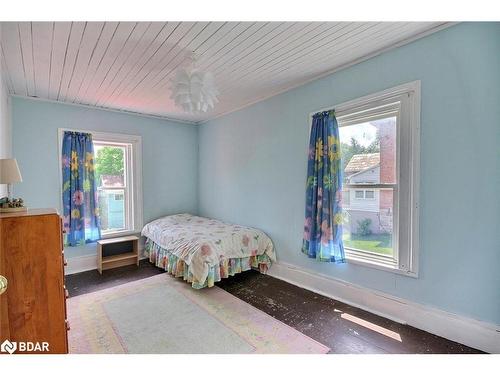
[10,174]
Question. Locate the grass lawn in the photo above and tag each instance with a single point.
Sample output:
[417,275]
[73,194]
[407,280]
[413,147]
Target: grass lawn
[376,243]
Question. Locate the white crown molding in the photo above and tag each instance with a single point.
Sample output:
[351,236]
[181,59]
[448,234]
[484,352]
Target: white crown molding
[107,109]
[173,118]
[342,67]
[474,333]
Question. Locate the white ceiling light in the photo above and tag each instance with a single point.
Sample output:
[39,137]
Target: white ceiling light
[194,90]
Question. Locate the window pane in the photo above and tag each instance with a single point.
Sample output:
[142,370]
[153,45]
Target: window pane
[112,209]
[369,157]
[110,177]
[109,165]
[368,224]
[369,152]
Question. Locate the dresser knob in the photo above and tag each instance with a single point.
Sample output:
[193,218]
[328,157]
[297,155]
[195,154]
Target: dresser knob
[3,284]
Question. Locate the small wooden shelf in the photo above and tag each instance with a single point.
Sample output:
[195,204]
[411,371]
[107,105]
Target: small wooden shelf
[114,258]
[117,252]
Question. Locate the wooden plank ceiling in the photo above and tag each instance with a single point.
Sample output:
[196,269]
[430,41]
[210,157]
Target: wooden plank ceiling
[128,65]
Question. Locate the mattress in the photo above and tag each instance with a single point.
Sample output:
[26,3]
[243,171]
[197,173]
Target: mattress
[203,250]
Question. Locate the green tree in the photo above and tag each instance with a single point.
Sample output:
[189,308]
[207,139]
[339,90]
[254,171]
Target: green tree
[109,161]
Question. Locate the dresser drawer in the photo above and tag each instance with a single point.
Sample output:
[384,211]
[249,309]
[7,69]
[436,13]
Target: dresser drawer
[32,259]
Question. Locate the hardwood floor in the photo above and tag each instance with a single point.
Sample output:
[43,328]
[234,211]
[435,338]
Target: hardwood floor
[344,328]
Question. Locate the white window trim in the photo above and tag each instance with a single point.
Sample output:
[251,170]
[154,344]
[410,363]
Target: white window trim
[406,261]
[135,180]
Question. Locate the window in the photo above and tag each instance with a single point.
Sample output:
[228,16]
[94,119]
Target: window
[368,149]
[369,194]
[379,137]
[360,194]
[118,182]
[111,165]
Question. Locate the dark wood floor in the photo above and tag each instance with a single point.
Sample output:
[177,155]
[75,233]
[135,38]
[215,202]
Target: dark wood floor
[343,328]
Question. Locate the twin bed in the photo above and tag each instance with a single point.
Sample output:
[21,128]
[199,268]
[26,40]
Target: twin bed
[203,251]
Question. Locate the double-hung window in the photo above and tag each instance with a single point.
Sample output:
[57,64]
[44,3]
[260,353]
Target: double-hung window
[118,182]
[379,137]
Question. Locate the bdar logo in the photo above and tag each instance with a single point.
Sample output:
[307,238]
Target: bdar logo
[8,347]
[24,346]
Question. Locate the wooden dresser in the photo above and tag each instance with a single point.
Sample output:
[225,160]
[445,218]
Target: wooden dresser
[33,307]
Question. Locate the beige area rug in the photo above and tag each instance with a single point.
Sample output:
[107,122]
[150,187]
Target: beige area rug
[162,314]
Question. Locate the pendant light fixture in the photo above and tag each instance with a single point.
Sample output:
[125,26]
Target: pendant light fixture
[193,90]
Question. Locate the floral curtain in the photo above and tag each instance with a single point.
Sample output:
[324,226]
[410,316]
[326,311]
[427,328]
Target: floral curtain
[80,209]
[323,214]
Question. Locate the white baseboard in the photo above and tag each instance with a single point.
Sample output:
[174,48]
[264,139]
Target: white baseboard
[84,263]
[80,264]
[89,262]
[474,333]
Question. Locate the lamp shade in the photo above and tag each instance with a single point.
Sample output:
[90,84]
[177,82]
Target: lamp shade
[9,171]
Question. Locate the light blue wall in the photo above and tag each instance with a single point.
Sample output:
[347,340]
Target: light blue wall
[5,125]
[252,167]
[252,164]
[169,155]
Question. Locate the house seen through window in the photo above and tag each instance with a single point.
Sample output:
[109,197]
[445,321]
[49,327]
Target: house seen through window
[369,161]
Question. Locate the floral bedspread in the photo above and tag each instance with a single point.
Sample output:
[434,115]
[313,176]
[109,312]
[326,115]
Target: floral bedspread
[203,243]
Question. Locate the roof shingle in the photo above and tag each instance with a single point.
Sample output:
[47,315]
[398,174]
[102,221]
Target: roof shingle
[360,162]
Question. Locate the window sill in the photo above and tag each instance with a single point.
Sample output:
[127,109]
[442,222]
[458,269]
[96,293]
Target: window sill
[121,233]
[385,265]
